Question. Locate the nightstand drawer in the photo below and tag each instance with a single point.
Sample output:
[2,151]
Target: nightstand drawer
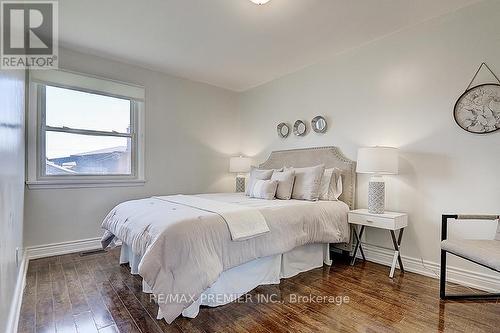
[383,222]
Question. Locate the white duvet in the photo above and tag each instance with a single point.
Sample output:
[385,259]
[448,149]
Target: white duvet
[185,249]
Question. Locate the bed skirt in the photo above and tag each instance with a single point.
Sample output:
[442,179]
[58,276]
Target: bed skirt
[239,280]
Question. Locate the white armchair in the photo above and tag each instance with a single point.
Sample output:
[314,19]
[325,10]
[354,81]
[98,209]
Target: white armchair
[482,252]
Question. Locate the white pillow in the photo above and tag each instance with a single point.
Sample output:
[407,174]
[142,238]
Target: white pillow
[325,184]
[285,183]
[331,185]
[257,174]
[336,186]
[307,182]
[264,189]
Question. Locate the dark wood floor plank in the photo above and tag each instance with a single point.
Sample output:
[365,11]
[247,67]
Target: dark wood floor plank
[115,306]
[94,294]
[101,314]
[140,316]
[45,329]
[44,301]
[76,295]
[63,315]
[127,327]
[110,329]
[135,286]
[27,317]
[138,313]
[85,323]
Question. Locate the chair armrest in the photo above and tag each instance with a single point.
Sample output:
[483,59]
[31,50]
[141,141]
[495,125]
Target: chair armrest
[444,220]
[444,225]
[477,217]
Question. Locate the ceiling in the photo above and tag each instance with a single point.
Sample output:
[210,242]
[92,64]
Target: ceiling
[234,44]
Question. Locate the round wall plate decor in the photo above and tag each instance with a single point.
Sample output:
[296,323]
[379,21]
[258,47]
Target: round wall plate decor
[283,130]
[319,124]
[299,128]
[478,109]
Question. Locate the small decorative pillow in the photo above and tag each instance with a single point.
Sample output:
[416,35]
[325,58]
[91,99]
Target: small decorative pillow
[336,186]
[257,174]
[324,187]
[331,185]
[307,182]
[264,189]
[285,183]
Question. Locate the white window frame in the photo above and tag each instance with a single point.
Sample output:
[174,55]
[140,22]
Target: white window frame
[36,177]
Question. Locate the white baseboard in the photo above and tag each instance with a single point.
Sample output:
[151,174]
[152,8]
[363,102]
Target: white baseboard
[55,249]
[461,276]
[15,307]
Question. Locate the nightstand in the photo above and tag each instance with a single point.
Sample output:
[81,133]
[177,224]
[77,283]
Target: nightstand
[389,221]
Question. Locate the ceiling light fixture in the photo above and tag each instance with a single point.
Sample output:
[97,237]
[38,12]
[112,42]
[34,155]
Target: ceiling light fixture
[260,2]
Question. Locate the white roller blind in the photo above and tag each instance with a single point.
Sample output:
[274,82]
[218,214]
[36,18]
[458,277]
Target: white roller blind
[84,82]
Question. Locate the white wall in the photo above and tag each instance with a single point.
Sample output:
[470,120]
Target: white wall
[191,130]
[399,91]
[11,184]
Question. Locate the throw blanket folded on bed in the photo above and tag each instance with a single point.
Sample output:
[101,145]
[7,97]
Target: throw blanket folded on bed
[185,249]
[243,222]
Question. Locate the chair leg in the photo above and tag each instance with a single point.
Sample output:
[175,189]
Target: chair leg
[442,276]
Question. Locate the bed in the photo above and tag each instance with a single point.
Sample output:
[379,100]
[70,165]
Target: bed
[188,256]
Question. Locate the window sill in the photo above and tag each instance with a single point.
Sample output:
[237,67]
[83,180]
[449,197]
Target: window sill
[56,184]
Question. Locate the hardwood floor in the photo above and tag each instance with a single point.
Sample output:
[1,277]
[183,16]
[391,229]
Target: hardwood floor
[73,293]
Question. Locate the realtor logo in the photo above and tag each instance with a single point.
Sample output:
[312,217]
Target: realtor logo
[29,37]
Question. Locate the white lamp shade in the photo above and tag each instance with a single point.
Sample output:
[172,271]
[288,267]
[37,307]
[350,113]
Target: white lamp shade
[378,160]
[239,164]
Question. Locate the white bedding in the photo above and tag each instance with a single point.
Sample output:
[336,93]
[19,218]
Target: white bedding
[184,249]
[243,222]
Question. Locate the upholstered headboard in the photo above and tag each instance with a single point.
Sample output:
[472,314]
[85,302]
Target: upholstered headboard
[331,157]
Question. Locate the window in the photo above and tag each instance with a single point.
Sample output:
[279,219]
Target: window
[88,132]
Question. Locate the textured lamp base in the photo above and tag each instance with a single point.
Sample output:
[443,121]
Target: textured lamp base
[240,184]
[376,195]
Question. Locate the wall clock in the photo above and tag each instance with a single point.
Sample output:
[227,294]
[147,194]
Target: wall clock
[478,109]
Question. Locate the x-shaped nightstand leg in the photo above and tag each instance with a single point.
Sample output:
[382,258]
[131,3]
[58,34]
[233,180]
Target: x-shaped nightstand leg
[358,244]
[397,255]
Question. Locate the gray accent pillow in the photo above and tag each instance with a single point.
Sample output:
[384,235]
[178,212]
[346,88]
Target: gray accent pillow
[264,189]
[257,174]
[307,182]
[285,183]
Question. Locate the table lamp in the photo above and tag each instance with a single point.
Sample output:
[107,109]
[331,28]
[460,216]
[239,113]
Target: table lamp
[377,161]
[239,165]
